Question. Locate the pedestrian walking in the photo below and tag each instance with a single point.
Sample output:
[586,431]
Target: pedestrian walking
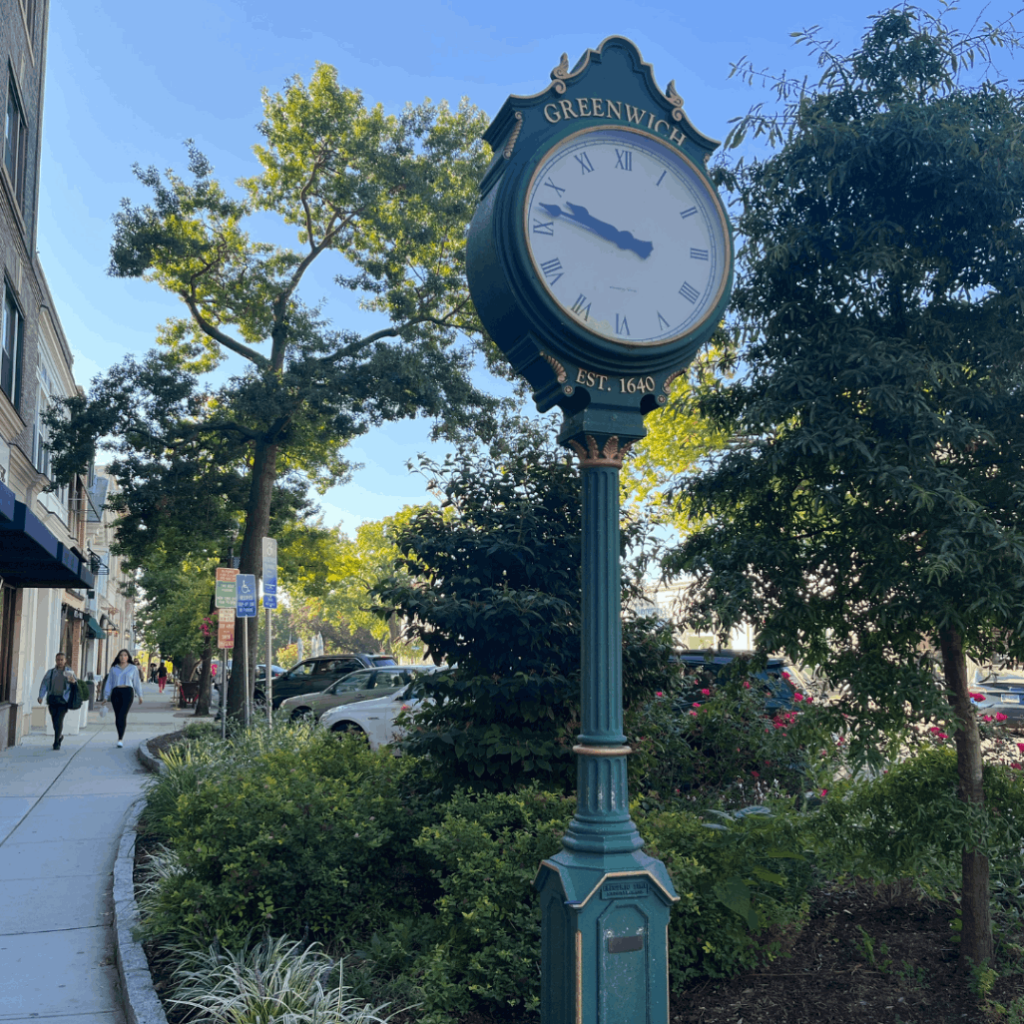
[123,685]
[161,676]
[56,688]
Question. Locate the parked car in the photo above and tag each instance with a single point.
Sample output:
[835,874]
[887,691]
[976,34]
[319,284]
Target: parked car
[705,666]
[375,718]
[1004,693]
[357,686]
[314,674]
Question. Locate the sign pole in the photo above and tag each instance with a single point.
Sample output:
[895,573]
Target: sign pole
[223,696]
[245,608]
[269,603]
[268,686]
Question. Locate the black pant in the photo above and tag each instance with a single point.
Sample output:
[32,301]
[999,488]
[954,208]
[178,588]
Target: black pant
[121,698]
[58,709]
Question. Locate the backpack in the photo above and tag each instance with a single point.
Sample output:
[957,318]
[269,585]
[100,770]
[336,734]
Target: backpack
[76,697]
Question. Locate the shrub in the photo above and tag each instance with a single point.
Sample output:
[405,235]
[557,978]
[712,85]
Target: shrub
[909,821]
[290,831]
[724,749]
[743,880]
[485,852]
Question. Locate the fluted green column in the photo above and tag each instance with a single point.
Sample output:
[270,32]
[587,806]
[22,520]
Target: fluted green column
[602,823]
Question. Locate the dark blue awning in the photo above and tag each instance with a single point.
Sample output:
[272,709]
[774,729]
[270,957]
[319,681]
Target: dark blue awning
[30,556]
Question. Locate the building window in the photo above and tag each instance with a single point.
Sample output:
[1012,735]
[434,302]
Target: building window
[15,142]
[12,332]
[41,455]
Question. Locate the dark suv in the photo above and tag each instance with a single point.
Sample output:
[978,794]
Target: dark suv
[774,680]
[315,674]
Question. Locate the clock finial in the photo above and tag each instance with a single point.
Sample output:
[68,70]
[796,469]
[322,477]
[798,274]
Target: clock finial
[559,74]
[675,99]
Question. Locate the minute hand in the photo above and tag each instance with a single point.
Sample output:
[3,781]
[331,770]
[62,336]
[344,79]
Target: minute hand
[580,215]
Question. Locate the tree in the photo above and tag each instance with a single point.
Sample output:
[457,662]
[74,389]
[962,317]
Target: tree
[491,584]
[331,593]
[872,522]
[390,194]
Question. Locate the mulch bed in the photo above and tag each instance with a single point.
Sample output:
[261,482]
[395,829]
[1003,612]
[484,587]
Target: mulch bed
[868,955]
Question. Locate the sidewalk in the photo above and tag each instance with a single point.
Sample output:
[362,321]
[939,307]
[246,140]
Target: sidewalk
[61,816]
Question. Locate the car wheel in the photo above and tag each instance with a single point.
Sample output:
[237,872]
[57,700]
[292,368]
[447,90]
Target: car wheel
[349,727]
[302,715]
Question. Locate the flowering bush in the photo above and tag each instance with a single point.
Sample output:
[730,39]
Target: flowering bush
[726,747]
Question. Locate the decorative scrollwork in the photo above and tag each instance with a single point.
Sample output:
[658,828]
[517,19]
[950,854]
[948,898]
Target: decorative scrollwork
[610,455]
[675,99]
[670,380]
[511,144]
[555,365]
[560,74]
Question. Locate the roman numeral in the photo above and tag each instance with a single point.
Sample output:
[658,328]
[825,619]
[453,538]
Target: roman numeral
[553,269]
[623,160]
[621,327]
[543,227]
[698,254]
[550,184]
[658,182]
[688,213]
[688,292]
[581,307]
[584,161]
[662,322]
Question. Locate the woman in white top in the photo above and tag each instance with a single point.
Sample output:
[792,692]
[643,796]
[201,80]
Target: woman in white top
[123,683]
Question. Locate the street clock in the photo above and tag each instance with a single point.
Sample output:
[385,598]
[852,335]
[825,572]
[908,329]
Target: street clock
[600,256]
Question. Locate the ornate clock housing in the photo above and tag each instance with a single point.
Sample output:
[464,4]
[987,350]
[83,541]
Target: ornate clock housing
[626,236]
[600,255]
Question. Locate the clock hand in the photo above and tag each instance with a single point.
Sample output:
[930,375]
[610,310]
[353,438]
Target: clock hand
[580,215]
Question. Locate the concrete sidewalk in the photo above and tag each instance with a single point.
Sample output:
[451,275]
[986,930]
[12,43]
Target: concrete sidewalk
[61,817]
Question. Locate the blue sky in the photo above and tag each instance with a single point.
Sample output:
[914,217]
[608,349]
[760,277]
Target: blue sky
[128,82]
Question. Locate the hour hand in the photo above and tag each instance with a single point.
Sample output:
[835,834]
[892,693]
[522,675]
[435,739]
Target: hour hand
[581,215]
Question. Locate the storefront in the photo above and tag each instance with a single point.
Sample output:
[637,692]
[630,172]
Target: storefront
[31,557]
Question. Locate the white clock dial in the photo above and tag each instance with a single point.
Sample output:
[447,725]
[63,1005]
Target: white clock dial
[626,236]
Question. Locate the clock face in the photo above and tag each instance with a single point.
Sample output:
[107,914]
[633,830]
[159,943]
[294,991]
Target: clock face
[626,236]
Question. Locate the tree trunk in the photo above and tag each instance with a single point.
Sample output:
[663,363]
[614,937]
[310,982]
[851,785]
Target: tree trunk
[257,526]
[188,664]
[976,946]
[205,689]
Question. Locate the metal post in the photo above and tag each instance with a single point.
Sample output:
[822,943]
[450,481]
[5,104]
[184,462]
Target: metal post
[268,686]
[604,903]
[223,695]
[245,672]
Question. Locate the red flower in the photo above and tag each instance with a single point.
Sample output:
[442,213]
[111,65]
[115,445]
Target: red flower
[706,693]
[756,775]
[660,693]
[824,792]
[746,685]
[798,696]
[976,696]
[1000,717]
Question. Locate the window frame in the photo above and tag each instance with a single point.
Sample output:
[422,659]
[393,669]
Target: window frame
[15,143]
[10,366]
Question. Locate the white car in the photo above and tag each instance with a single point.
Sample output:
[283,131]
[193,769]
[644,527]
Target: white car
[375,719]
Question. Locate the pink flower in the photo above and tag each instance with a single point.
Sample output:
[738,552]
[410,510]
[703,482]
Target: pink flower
[976,696]
[798,696]
[1000,717]
[694,713]
[746,685]
[987,718]
[660,693]
[706,693]
[810,700]
[696,705]
[1020,747]
[824,792]
[1016,764]
[756,775]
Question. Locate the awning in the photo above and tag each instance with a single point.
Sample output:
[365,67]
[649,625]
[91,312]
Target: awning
[94,629]
[30,556]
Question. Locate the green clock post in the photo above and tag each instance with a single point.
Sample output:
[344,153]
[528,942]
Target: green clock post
[600,259]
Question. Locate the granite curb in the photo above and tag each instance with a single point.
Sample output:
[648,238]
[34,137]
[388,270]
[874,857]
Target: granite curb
[150,761]
[141,1003]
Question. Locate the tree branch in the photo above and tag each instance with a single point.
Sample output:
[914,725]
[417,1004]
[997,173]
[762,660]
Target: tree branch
[220,337]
